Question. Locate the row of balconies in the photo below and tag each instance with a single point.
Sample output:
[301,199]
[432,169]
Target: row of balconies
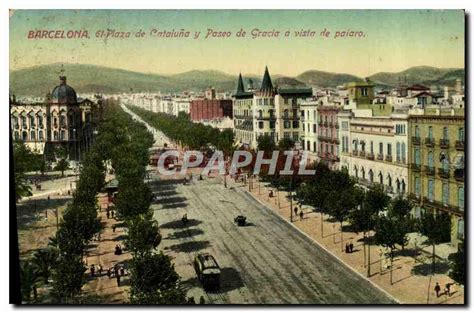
[443,143]
[442,172]
[17,126]
[371,156]
[328,156]
[329,139]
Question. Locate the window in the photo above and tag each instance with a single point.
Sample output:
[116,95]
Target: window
[32,120]
[285,114]
[460,230]
[308,145]
[260,124]
[356,172]
[461,134]
[364,92]
[260,114]
[430,159]
[40,120]
[430,189]
[314,146]
[40,135]
[389,149]
[314,128]
[32,135]
[461,198]
[381,148]
[417,186]
[389,180]
[445,133]
[272,124]
[371,176]
[380,178]
[398,152]
[445,197]
[417,131]
[430,132]
[403,152]
[403,186]
[372,147]
[417,157]
[24,136]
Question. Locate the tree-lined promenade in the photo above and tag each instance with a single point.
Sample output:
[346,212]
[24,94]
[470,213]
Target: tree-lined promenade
[383,221]
[121,147]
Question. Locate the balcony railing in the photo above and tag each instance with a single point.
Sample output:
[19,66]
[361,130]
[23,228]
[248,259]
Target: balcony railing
[370,156]
[429,170]
[416,167]
[460,145]
[444,143]
[415,140]
[429,142]
[325,124]
[380,157]
[388,158]
[442,206]
[355,152]
[443,172]
[362,154]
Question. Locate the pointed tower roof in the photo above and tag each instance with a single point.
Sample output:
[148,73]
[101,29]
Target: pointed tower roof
[267,85]
[240,85]
[241,93]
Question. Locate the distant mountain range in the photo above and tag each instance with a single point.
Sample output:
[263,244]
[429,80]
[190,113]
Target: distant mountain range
[85,78]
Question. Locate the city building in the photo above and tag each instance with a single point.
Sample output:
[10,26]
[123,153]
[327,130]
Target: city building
[267,111]
[437,140]
[210,107]
[374,140]
[62,119]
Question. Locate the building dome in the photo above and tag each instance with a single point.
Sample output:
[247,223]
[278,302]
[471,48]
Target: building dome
[63,93]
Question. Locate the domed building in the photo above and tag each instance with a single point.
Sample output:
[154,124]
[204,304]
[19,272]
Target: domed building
[62,120]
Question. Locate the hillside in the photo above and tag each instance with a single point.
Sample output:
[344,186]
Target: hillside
[37,81]
[325,79]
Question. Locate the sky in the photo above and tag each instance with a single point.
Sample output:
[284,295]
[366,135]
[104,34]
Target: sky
[393,40]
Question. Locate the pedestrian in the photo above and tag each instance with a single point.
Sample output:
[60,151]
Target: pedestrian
[46,213]
[99,270]
[447,290]
[49,198]
[301,215]
[296,210]
[108,214]
[122,271]
[117,276]
[437,289]
[347,247]
[113,228]
[113,213]
[351,247]
[109,272]
[92,270]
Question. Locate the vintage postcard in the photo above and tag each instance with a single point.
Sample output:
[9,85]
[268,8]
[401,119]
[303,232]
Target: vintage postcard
[175,157]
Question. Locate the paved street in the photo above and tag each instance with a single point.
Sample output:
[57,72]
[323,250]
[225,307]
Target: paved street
[265,262]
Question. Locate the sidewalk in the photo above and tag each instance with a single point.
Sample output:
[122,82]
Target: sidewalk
[101,252]
[412,280]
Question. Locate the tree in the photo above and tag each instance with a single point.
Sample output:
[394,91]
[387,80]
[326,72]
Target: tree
[400,209]
[225,142]
[286,144]
[437,227]
[29,280]
[62,165]
[23,159]
[43,260]
[375,201]
[266,144]
[456,265]
[143,234]
[343,199]
[134,197]
[68,278]
[154,281]
[390,232]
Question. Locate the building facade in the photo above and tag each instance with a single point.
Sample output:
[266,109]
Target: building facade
[437,140]
[62,120]
[267,111]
